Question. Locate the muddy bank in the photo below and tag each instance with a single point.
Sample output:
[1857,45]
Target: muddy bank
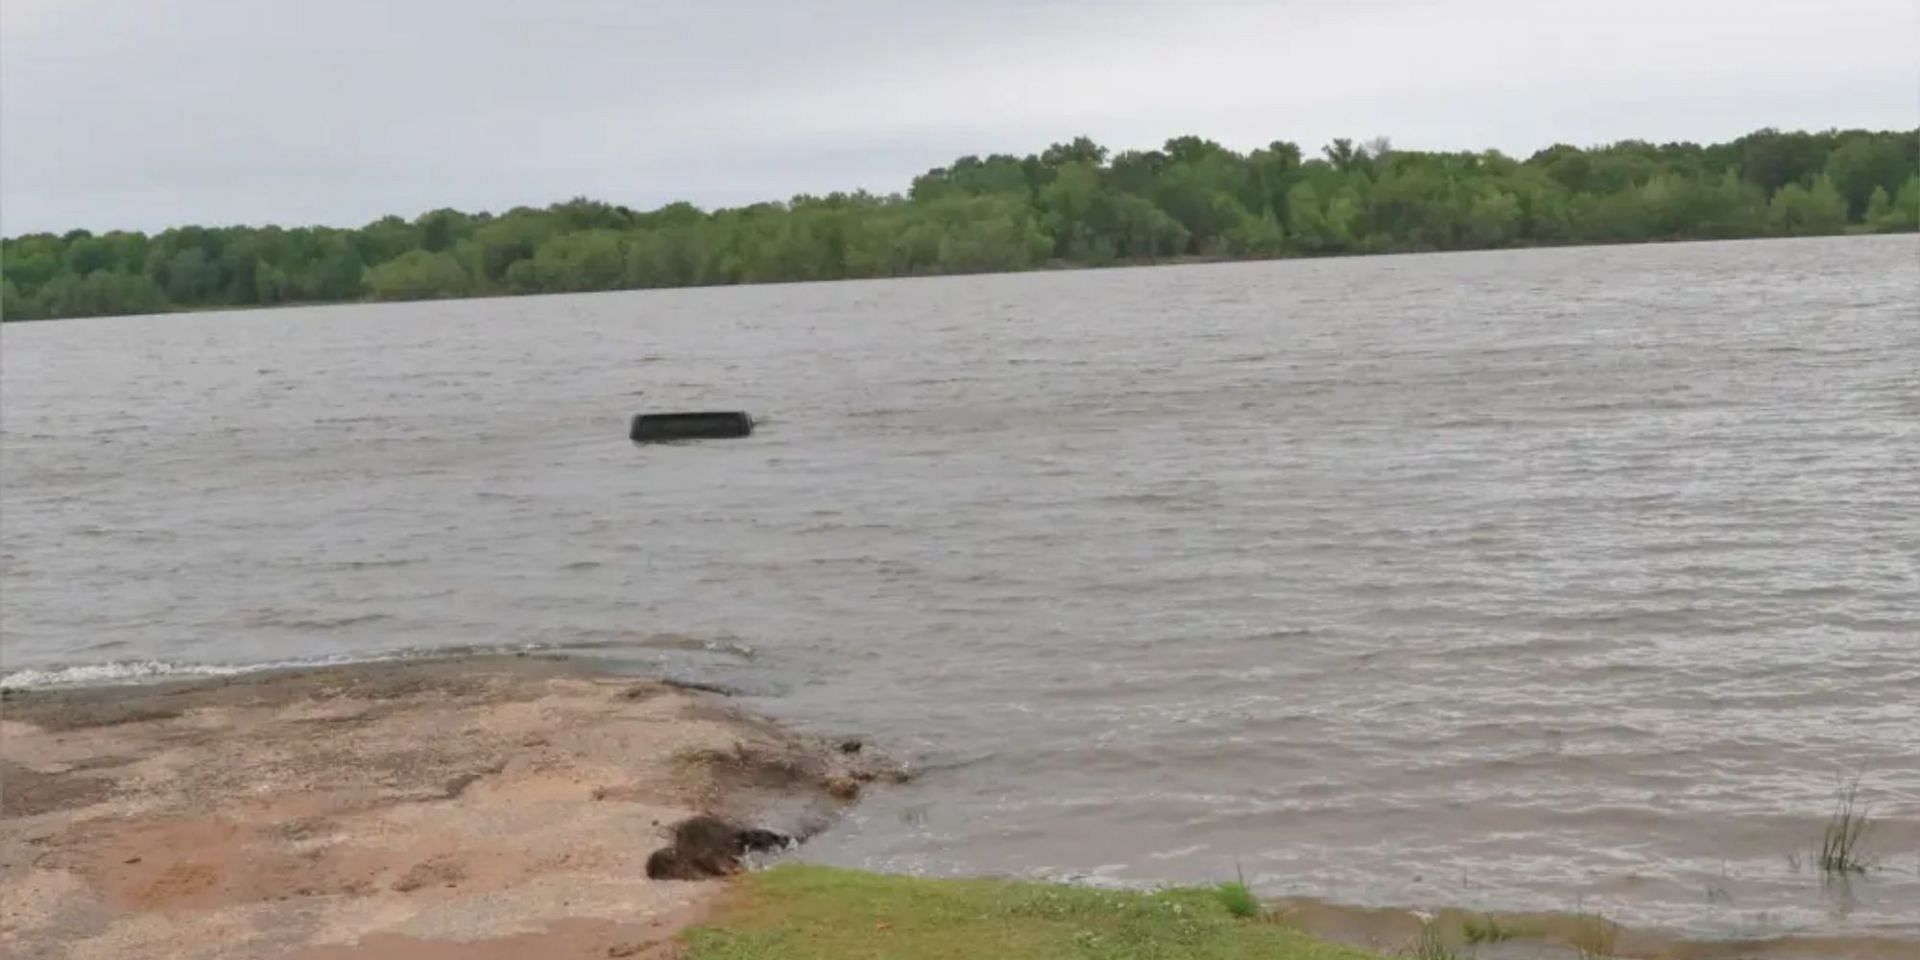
[1551,936]
[473,808]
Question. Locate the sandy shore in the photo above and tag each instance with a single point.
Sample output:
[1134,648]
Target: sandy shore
[499,807]
[490,808]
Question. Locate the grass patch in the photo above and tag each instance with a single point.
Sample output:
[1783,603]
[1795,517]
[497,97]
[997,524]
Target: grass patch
[1430,945]
[1841,842]
[1239,901]
[800,912]
[1485,929]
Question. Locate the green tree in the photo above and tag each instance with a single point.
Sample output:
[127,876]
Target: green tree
[1879,208]
[439,230]
[1134,171]
[335,272]
[1904,212]
[1009,240]
[270,284]
[33,260]
[190,278]
[1200,189]
[1734,208]
[1420,203]
[418,275]
[1074,209]
[239,269]
[1615,217]
[99,294]
[1545,209]
[496,246]
[1800,211]
[129,250]
[572,262]
[581,213]
[1344,156]
[1494,219]
[1864,163]
[674,257]
[1344,218]
[1675,206]
[1256,236]
[385,239]
[1142,231]
[1271,172]
[1773,159]
[88,254]
[1082,150]
[1327,213]
[13,306]
[673,215]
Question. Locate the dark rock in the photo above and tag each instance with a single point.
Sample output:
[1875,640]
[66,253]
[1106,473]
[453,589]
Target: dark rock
[705,847]
[764,840]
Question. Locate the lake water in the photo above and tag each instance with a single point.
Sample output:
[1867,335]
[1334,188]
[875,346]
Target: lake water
[1560,579]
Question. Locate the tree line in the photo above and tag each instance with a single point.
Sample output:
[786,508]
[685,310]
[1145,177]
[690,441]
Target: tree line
[1075,203]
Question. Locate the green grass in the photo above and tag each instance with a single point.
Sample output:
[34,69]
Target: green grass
[798,912]
[1239,901]
[1430,945]
[1485,929]
[1841,842]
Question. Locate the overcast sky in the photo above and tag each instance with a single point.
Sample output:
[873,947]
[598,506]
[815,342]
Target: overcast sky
[150,113]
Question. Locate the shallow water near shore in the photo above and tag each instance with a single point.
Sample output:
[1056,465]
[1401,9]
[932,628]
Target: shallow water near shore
[1545,580]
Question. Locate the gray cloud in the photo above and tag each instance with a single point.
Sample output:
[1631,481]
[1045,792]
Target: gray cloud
[131,113]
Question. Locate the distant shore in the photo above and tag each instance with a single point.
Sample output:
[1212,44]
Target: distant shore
[1185,260]
[1075,203]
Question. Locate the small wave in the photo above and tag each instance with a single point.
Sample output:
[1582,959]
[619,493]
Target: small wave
[675,641]
[1178,852]
[1282,633]
[380,564]
[117,672]
[283,620]
[1144,499]
[113,672]
[350,421]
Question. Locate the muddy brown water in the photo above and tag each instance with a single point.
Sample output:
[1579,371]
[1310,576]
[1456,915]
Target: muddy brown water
[1548,580]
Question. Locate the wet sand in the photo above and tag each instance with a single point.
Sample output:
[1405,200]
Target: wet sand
[477,808]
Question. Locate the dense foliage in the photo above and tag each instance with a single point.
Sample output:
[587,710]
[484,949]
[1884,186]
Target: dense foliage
[1073,203]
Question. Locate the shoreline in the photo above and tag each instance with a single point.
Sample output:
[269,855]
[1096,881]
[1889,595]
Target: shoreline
[489,806]
[507,805]
[1050,266]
